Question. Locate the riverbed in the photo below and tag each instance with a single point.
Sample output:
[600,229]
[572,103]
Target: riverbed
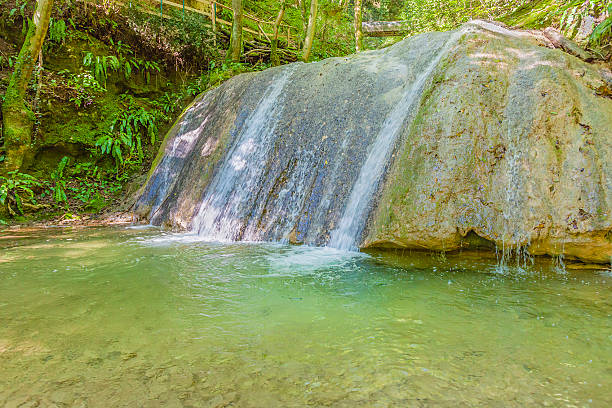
[120,316]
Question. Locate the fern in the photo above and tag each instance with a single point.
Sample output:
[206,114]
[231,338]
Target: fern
[603,32]
[58,31]
[16,190]
[59,187]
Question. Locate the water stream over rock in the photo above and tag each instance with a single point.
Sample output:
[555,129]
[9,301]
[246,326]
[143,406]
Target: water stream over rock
[351,224]
[229,199]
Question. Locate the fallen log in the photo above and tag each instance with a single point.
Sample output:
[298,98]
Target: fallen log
[559,41]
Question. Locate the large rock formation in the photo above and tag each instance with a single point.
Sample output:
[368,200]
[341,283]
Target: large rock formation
[512,142]
[494,139]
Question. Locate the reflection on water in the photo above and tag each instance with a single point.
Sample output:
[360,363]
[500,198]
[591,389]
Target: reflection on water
[139,318]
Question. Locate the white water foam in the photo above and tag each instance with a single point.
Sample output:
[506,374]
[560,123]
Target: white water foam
[305,260]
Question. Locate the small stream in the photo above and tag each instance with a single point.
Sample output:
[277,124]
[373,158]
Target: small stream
[136,317]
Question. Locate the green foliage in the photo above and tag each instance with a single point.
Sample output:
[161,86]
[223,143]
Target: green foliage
[59,182]
[188,36]
[569,16]
[602,31]
[101,66]
[90,188]
[6,62]
[217,74]
[112,143]
[83,185]
[122,49]
[129,63]
[85,86]
[223,72]
[564,14]
[16,190]
[18,10]
[197,86]
[146,67]
[135,122]
[442,15]
[601,38]
[170,103]
[58,31]
[124,140]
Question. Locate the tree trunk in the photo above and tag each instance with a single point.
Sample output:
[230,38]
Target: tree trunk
[358,32]
[236,38]
[302,7]
[17,116]
[310,31]
[274,58]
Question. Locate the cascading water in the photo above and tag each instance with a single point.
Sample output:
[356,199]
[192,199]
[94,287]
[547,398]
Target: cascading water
[228,199]
[353,220]
[288,160]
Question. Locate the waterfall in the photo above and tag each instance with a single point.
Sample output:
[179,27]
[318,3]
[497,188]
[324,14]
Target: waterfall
[355,214]
[227,201]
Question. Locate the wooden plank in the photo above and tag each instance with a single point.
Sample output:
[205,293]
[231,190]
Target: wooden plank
[385,28]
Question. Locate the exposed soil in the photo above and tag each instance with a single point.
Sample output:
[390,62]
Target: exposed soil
[81,221]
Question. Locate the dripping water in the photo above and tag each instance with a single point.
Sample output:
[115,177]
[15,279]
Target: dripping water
[516,239]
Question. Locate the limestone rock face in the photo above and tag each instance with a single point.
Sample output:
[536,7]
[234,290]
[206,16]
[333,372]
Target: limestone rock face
[513,143]
[502,141]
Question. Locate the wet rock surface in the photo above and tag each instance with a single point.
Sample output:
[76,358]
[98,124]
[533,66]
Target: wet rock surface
[506,144]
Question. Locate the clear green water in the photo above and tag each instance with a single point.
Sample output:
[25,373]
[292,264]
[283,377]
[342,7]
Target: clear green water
[115,317]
